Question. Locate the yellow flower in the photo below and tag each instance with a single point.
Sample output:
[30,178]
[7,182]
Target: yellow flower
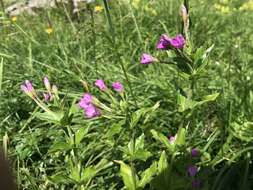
[49,30]
[98,8]
[14,19]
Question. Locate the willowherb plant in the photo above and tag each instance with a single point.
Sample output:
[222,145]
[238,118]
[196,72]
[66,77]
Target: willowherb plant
[189,62]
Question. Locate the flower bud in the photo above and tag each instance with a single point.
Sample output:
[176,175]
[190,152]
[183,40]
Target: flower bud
[47,84]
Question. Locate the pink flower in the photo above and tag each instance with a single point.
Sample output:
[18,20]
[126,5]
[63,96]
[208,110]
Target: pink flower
[163,43]
[85,101]
[91,111]
[172,139]
[178,42]
[101,84]
[147,59]
[27,88]
[117,86]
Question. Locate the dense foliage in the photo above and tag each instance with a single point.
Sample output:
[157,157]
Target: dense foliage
[130,95]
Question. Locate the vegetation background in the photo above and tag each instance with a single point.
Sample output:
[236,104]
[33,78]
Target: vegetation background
[79,153]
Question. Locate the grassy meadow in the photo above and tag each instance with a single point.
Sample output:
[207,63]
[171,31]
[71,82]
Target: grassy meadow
[182,119]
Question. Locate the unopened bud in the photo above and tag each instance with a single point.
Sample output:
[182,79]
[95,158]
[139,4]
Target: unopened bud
[55,91]
[184,13]
[47,84]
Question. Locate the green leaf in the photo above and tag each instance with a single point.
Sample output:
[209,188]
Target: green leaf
[141,155]
[148,175]
[163,139]
[114,130]
[54,117]
[180,140]
[243,131]
[200,58]
[130,179]
[139,143]
[60,178]
[210,97]
[184,103]
[162,180]
[74,172]
[189,104]
[162,164]
[103,164]
[88,173]
[59,147]
[74,108]
[80,134]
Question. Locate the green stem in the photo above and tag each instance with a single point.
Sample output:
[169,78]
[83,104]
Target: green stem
[116,51]
[170,170]
[108,15]
[2,5]
[94,39]
[135,22]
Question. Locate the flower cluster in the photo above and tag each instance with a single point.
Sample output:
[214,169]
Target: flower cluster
[89,104]
[117,86]
[193,170]
[28,89]
[90,109]
[165,43]
[48,96]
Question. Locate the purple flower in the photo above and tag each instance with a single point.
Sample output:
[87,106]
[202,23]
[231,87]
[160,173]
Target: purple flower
[192,170]
[194,152]
[117,86]
[47,84]
[172,139]
[27,88]
[24,89]
[178,42]
[91,111]
[101,84]
[85,101]
[196,183]
[147,59]
[163,43]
